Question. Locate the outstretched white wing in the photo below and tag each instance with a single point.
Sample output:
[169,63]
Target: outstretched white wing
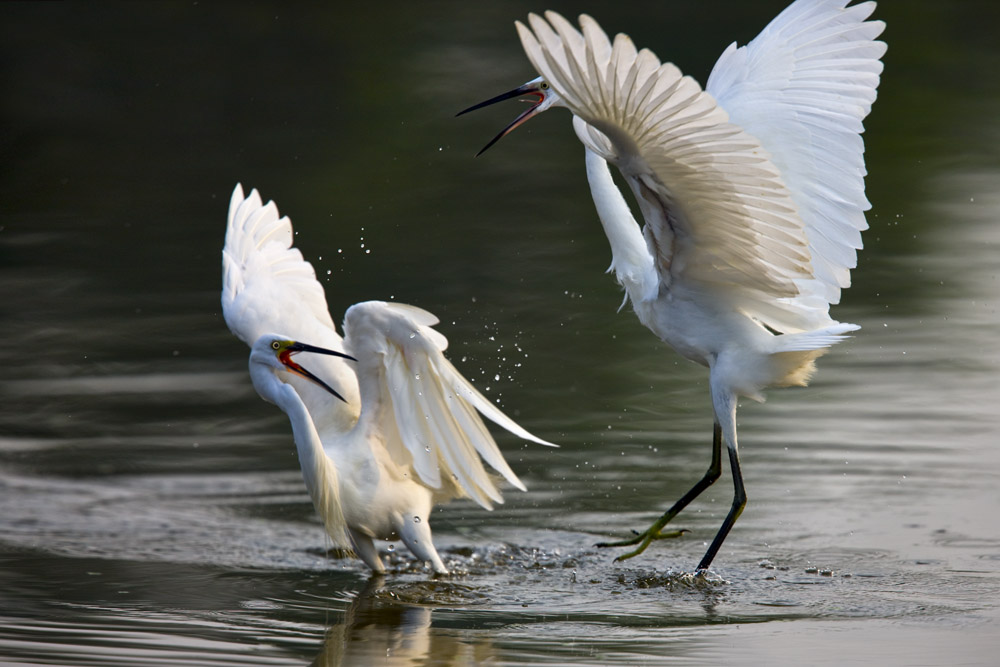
[803,87]
[422,407]
[716,210]
[267,287]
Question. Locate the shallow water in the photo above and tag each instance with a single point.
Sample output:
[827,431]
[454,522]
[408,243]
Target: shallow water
[151,508]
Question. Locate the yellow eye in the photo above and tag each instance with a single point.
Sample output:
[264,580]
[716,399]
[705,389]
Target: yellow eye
[544,86]
[275,345]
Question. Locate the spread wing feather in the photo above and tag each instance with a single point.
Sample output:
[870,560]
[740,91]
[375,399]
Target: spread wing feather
[720,208]
[803,87]
[267,286]
[716,209]
[420,405]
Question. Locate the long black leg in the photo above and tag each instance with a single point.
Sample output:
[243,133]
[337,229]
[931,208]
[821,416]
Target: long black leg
[739,502]
[653,532]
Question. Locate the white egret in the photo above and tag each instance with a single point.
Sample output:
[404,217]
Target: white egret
[752,192]
[385,429]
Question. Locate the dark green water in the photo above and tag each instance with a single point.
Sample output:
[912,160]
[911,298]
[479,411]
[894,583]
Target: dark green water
[151,508]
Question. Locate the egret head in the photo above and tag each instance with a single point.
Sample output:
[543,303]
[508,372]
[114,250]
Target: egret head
[275,352]
[538,88]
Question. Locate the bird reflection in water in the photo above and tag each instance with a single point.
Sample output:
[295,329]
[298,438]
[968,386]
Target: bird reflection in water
[379,628]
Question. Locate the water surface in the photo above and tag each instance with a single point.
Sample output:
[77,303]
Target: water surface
[151,508]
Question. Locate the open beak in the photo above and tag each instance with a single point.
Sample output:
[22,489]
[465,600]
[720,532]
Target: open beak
[294,348]
[536,88]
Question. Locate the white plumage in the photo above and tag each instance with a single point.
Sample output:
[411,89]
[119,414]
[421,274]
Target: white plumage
[407,433]
[751,190]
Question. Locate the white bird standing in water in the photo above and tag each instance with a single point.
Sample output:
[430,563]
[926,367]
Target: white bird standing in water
[752,192]
[385,429]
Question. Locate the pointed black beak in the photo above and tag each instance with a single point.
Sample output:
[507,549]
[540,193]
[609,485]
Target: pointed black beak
[295,348]
[534,88]
[304,347]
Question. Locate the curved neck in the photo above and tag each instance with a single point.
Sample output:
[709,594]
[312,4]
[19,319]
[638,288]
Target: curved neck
[630,257]
[318,470]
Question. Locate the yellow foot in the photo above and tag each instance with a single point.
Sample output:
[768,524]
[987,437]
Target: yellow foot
[643,539]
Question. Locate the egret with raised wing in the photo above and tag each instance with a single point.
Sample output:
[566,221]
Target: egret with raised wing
[384,426]
[752,192]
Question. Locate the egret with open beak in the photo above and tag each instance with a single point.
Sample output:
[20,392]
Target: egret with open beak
[547,98]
